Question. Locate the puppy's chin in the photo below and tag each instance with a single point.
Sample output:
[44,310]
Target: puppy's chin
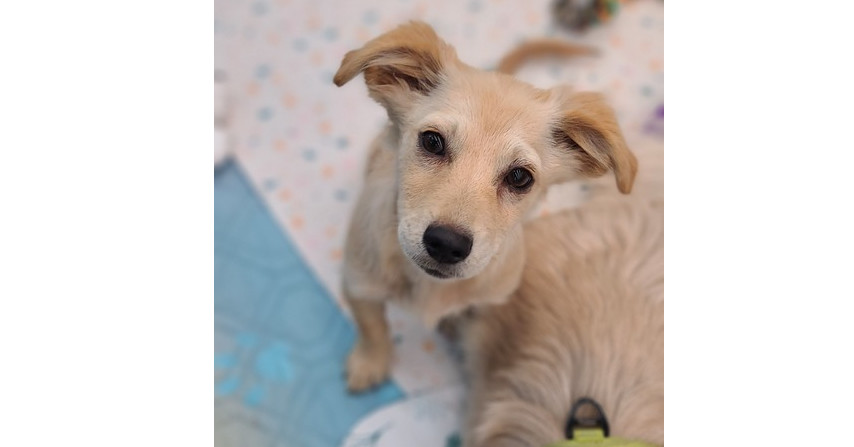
[436,273]
[442,272]
[432,268]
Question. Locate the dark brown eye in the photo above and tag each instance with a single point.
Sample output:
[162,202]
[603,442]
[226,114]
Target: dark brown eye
[432,142]
[519,179]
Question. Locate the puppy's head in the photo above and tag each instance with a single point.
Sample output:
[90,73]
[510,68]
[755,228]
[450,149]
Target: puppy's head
[477,149]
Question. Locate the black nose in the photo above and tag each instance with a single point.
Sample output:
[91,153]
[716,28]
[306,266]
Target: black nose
[446,245]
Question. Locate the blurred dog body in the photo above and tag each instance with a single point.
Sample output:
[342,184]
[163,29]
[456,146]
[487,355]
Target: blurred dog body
[586,321]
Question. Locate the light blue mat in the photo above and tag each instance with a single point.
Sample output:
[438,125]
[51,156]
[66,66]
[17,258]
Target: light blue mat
[279,340]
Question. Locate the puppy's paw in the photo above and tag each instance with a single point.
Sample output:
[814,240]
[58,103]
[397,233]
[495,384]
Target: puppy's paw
[367,367]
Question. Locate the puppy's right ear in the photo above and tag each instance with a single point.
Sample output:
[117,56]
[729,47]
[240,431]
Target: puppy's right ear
[400,65]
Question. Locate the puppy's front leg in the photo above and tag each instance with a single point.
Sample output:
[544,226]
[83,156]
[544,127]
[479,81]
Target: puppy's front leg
[370,359]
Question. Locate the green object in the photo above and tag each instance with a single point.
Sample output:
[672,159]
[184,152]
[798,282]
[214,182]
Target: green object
[578,16]
[595,437]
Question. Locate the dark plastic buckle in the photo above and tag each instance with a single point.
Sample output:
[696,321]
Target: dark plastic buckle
[573,422]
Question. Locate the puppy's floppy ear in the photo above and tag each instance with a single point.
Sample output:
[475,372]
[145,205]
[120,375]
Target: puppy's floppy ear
[588,138]
[407,61]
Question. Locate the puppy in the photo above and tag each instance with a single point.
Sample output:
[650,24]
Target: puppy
[586,321]
[465,157]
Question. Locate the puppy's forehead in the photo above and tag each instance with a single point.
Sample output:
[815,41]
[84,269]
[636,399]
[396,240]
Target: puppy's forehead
[490,104]
[498,103]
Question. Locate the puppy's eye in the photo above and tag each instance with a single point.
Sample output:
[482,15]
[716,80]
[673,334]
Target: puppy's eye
[519,179]
[432,142]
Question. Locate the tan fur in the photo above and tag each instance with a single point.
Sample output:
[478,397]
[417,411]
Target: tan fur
[491,122]
[587,320]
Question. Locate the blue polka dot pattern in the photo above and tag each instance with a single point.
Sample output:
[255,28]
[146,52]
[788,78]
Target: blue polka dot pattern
[341,142]
[262,71]
[330,34]
[300,44]
[265,113]
[370,17]
[260,8]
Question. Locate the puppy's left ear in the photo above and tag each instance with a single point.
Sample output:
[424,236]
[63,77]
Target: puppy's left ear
[588,139]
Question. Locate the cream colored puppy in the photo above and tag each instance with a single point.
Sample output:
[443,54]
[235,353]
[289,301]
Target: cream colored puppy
[465,156]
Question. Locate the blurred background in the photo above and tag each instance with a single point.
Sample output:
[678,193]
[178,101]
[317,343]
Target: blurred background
[289,150]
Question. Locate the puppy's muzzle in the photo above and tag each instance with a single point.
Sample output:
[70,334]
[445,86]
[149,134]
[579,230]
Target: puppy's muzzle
[446,244]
